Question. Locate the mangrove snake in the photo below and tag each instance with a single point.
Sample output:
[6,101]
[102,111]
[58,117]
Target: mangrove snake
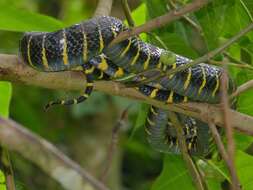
[85,46]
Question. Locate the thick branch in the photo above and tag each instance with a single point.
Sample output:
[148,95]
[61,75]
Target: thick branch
[46,156]
[14,70]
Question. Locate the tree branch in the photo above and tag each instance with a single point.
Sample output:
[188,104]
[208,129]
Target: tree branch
[127,12]
[201,59]
[46,156]
[235,183]
[121,123]
[103,8]
[240,66]
[221,148]
[197,179]
[244,87]
[5,164]
[185,17]
[14,70]
[160,21]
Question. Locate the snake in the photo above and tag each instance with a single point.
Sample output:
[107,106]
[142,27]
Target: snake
[86,47]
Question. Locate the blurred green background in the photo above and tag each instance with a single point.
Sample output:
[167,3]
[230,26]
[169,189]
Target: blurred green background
[84,131]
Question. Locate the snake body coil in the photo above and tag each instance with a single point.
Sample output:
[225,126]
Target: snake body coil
[71,47]
[85,46]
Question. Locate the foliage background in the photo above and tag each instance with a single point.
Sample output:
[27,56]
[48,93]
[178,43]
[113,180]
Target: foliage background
[83,131]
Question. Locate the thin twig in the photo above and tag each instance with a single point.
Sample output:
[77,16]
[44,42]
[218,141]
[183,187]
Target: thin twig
[131,23]
[241,66]
[114,140]
[160,21]
[127,12]
[103,8]
[46,156]
[218,142]
[196,38]
[187,19]
[5,163]
[198,181]
[246,10]
[234,59]
[235,184]
[14,70]
[244,87]
[157,38]
[202,59]
[221,147]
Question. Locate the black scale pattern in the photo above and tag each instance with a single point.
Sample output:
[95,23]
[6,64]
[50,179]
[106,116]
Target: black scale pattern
[53,51]
[109,28]
[36,56]
[164,138]
[75,40]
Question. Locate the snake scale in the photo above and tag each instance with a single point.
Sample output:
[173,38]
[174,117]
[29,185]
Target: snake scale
[85,46]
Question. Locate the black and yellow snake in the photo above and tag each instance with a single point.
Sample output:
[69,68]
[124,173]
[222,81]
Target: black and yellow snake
[85,46]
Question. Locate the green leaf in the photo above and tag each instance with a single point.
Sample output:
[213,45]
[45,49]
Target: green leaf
[5,97]
[138,14]
[174,175]
[244,103]
[244,166]
[248,6]
[141,118]
[75,11]
[139,18]
[173,35]
[176,44]
[2,181]
[242,141]
[156,8]
[20,21]
[212,169]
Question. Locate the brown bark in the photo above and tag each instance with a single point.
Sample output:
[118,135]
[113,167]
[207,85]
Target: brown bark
[14,70]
